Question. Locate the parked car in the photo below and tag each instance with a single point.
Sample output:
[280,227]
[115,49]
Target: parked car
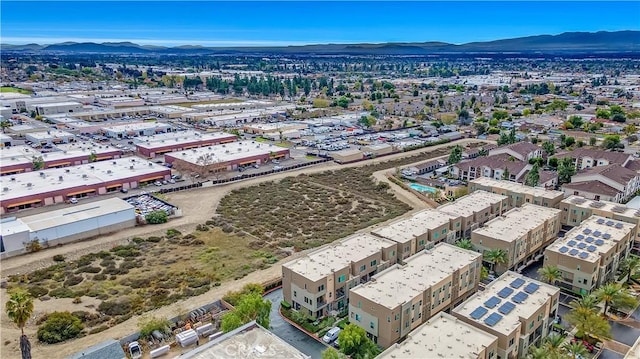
[124,190]
[331,335]
[135,351]
[275,168]
[586,344]
[73,200]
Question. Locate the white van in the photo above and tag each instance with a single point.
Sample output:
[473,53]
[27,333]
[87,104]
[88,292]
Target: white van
[331,335]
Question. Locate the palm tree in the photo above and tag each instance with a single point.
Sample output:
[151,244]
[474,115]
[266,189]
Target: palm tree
[465,244]
[550,274]
[19,309]
[585,316]
[484,273]
[553,345]
[612,294]
[585,305]
[575,350]
[538,353]
[630,266]
[496,257]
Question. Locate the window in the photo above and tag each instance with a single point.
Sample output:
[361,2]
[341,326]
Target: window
[363,267]
[321,288]
[531,325]
[358,317]
[393,253]
[374,262]
[359,304]
[397,316]
[306,300]
[372,325]
[511,341]
[388,319]
[421,242]
[540,317]
[341,278]
[444,231]
[436,235]
[295,294]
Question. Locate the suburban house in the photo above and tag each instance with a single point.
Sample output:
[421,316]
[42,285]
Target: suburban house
[493,166]
[611,182]
[523,151]
[590,157]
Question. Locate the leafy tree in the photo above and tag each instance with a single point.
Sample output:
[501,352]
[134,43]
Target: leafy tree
[331,353]
[630,129]
[157,217]
[4,124]
[603,113]
[553,162]
[611,142]
[354,343]
[537,353]
[592,141]
[576,121]
[585,317]
[566,170]
[465,244]
[59,327]
[320,103]
[93,157]
[367,121]
[19,308]
[533,177]
[37,163]
[569,141]
[251,307]
[506,174]
[550,274]
[553,344]
[613,294]
[495,257]
[484,273]
[455,156]
[549,148]
[500,115]
[343,102]
[630,266]
[504,139]
[148,325]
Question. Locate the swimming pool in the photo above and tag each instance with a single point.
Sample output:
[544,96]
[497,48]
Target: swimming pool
[421,188]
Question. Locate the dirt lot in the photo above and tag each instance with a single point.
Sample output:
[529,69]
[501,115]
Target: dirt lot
[198,206]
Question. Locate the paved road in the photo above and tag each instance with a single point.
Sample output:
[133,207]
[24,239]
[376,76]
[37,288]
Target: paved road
[624,334]
[610,354]
[289,333]
[532,270]
[636,314]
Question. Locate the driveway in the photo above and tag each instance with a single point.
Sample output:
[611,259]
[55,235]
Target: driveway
[624,334]
[610,354]
[290,334]
[532,270]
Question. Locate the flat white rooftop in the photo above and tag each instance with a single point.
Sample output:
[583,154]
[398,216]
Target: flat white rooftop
[442,336]
[337,255]
[77,213]
[170,109]
[15,155]
[44,135]
[593,237]
[136,126]
[407,229]
[401,283]
[91,174]
[179,137]
[517,222]
[227,152]
[491,309]
[276,126]
[604,206]
[58,104]
[518,188]
[474,202]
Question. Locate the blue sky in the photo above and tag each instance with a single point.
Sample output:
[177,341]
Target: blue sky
[288,22]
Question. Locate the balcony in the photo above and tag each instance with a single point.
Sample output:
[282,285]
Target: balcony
[320,302]
[340,293]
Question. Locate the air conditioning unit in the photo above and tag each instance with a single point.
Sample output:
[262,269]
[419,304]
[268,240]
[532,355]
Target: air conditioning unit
[5,189]
[60,178]
[67,170]
[84,176]
[109,172]
[29,184]
[130,167]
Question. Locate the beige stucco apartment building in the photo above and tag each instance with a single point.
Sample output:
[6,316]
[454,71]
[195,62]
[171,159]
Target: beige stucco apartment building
[516,309]
[401,298]
[475,209]
[518,193]
[444,336]
[589,254]
[422,230]
[522,233]
[319,282]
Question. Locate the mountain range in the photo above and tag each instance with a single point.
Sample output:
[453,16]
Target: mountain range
[568,42]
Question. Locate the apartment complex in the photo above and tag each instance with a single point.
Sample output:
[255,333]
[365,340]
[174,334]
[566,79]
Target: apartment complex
[516,309]
[518,193]
[422,230]
[445,336]
[522,233]
[474,210]
[319,282]
[589,254]
[401,298]
[576,209]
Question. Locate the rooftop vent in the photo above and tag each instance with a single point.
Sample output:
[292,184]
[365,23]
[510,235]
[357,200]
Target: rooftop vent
[5,189]
[60,178]
[42,174]
[84,176]
[29,184]
[67,170]
[130,167]
[109,172]
[114,162]
[13,179]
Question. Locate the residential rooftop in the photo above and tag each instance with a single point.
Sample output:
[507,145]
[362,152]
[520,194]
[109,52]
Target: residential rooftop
[593,236]
[442,336]
[474,202]
[227,152]
[407,229]
[338,255]
[517,187]
[507,299]
[401,283]
[517,222]
[604,206]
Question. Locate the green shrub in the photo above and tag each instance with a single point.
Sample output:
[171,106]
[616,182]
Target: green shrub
[157,217]
[37,291]
[73,280]
[100,277]
[58,258]
[62,292]
[113,307]
[99,329]
[285,305]
[149,325]
[172,233]
[154,239]
[59,327]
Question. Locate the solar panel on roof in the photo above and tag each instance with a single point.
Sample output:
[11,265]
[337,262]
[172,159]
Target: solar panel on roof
[520,297]
[589,240]
[609,223]
[582,245]
[506,308]
[571,243]
[579,236]
[606,236]
[592,248]
[493,319]
[492,302]
[573,252]
[531,288]
[564,249]
[597,233]
[586,231]
[599,242]
[619,225]
[517,283]
[584,255]
[600,221]
[479,313]
[505,292]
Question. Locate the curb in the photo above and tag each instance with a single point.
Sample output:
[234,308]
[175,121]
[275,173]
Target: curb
[301,328]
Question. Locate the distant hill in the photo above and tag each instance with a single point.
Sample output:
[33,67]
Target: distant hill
[569,42]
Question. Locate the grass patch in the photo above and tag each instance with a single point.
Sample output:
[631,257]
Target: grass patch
[15,90]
